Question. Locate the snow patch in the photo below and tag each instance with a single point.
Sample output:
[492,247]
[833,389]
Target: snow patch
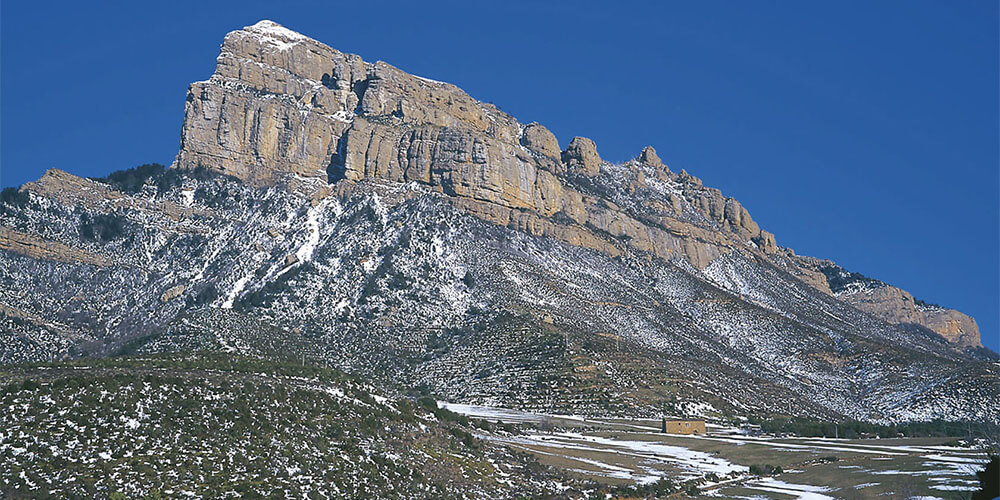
[799,491]
[237,288]
[274,34]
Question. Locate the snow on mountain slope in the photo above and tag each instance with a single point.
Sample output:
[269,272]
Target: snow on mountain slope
[392,281]
[344,211]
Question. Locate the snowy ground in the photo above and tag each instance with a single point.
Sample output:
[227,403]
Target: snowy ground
[620,452]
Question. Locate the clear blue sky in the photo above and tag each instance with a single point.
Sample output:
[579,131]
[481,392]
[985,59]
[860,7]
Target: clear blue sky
[864,132]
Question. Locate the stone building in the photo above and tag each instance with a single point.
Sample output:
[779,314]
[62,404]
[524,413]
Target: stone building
[676,426]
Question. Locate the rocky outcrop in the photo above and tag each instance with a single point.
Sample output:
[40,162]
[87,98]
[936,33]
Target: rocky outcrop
[539,140]
[887,302]
[581,156]
[282,105]
[72,190]
[43,249]
[276,104]
[898,306]
[649,157]
[891,303]
[172,293]
[956,327]
[279,103]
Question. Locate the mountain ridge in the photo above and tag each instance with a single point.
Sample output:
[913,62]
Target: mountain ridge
[352,214]
[247,48]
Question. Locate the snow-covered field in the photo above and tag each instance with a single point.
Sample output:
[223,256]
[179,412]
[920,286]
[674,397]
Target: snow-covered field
[612,450]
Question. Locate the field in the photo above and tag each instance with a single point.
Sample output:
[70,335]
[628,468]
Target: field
[624,452]
[214,425]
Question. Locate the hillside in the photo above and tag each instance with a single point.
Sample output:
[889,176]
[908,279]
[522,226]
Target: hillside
[212,426]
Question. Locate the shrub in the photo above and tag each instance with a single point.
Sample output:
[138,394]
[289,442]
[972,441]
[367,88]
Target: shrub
[428,403]
[204,296]
[989,480]
[469,280]
[131,180]
[926,304]
[465,437]
[101,227]
[839,279]
[14,197]
[766,469]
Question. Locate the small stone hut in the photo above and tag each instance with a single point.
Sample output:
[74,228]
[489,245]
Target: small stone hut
[678,426]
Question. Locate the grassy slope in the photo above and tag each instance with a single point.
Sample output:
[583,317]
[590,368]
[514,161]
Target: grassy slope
[212,424]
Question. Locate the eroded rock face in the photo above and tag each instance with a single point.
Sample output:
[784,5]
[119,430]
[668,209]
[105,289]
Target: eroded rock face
[887,302]
[898,306]
[539,140]
[281,104]
[649,157]
[581,156]
[958,328]
[893,304]
[42,249]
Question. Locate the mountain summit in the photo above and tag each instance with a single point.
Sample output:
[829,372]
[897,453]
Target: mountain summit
[344,211]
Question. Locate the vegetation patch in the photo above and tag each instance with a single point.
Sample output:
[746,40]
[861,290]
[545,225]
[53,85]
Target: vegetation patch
[807,427]
[101,227]
[214,425]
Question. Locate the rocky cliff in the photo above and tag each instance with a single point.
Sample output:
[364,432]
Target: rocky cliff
[893,304]
[282,104]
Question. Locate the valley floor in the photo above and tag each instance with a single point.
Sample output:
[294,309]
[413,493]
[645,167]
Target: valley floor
[215,425]
[626,452]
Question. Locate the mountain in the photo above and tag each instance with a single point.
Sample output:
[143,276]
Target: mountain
[343,212]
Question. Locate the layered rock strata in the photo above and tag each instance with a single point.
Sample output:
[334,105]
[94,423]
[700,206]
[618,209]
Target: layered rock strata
[282,104]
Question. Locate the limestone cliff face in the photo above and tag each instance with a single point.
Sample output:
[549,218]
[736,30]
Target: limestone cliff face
[957,327]
[281,104]
[269,108]
[890,303]
[899,306]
